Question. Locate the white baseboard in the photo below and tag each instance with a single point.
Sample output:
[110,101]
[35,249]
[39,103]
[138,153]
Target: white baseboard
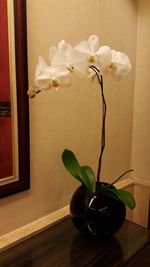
[140,189]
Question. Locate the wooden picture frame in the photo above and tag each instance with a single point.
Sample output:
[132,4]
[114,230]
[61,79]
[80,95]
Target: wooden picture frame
[21,181]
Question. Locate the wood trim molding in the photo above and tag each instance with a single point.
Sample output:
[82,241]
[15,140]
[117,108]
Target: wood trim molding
[140,215]
[141,182]
[29,230]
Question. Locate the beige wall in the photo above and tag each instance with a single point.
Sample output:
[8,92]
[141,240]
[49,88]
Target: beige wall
[70,117]
[141,129]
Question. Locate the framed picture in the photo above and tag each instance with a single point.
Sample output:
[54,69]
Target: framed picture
[14,112]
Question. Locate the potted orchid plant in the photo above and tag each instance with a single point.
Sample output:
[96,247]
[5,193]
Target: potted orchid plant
[86,59]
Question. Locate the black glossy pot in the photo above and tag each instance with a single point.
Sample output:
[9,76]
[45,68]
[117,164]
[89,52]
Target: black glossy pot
[96,214]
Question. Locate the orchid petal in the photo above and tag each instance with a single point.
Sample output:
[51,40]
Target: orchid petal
[64,47]
[76,57]
[94,43]
[83,47]
[120,64]
[81,68]
[52,53]
[59,60]
[104,56]
[121,59]
[60,71]
[45,74]
[42,65]
[78,61]
[42,81]
[37,72]
[122,69]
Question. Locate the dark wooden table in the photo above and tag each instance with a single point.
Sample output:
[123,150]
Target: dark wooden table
[63,246]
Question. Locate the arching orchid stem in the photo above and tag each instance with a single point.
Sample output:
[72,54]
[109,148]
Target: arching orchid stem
[104,109]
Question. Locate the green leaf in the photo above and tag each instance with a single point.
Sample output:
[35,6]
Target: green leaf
[88,178]
[72,164]
[124,196]
[83,174]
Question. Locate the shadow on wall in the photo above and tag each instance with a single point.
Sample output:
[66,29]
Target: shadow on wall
[134,3]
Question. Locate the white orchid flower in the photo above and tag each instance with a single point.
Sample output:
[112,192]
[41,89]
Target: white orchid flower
[47,77]
[66,57]
[94,53]
[59,57]
[120,65]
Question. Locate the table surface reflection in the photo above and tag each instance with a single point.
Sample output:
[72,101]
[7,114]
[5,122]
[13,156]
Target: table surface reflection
[63,246]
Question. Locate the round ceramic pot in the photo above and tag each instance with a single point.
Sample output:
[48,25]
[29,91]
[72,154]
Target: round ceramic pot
[96,214]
